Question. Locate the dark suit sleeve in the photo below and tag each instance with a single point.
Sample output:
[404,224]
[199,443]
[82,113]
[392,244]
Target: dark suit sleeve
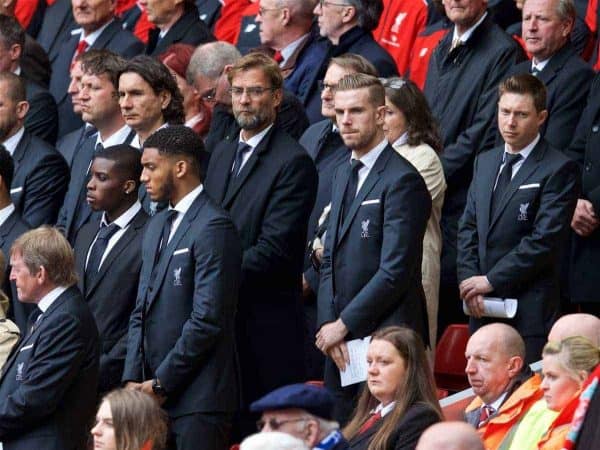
[136,48]
[132,370]
[59,354]
[407,206]
[557,203]
[416,420]
[42,117]
[576,149]
[46,188]
[467,263]
[290,204]
[217,256]
[480,135]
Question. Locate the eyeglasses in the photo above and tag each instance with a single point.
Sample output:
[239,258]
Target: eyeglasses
[253,92]
[275,424]
[323,3]
[262,11]
[394,83]
[323,86]
[209,95]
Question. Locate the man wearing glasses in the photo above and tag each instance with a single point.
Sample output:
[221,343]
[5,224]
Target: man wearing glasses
[268,183]
[303,411]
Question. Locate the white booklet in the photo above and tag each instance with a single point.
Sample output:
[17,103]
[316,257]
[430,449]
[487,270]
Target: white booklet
[502,308]
[356,371]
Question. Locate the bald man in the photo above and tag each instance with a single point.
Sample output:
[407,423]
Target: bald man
[504,385]
[450,436]
[585,325]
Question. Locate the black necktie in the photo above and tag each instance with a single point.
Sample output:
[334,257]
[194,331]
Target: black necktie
[241,151]
[351,188]
[534,71]
[99,147]
[166,231]
[504,179]
[97,251]
[32,321]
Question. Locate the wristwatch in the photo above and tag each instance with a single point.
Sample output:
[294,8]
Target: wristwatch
[158,389]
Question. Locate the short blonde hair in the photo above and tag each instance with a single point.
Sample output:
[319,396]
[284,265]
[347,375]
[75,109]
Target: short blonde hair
[47,247]
[574,354]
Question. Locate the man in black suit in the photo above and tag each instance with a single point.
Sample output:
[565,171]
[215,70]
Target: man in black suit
[42,117]
[176,21]
[519,207]
[181,347]
[11,227]
[370,274]
[41,173]
[461,88]
[47,387]
[547,26]
[100,30]
[108,258]
[268,183]
[99,106]
[325,146]
[56,28]
[207,72]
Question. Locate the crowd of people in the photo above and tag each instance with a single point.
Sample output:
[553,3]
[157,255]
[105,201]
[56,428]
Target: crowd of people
[203,202]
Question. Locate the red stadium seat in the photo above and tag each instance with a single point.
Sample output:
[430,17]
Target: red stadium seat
[450,362]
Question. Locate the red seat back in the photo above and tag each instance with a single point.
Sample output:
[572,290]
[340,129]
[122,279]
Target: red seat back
[450,361]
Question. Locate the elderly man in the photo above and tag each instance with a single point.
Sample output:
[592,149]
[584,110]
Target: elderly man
[504,385]
[450,436]
[48,385]
[303,411]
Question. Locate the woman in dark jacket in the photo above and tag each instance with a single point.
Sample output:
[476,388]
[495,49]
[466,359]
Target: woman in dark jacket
[399,400]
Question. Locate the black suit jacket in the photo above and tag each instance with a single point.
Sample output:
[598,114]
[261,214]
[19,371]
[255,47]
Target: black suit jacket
[35,65]
[517,247]
[113,38]
[567,78]
[371,269]
[48,385]
[269,202]
[40,181]
[585,256]
[10,230]
[42,118]
[189,29]
[56,27]
[111,296]
[68,145]
[414,422]
[182,328]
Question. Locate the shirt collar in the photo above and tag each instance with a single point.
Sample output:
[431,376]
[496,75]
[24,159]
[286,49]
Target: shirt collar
[124,219]
[289,49]
[526,150]
[467,34]
[401,140]
[540,64]
[184,204]
[498,402]
[255,140]
[47,300]
[384,410]
[118,137]
[369,159]
[5,213]
[12,142]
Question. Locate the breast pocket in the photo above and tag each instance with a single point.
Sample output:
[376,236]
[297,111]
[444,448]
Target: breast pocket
[368,218]
[523,206]
[181,267]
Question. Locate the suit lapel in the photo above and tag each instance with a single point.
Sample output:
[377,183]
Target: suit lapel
[20,152]
[87,233]
[106,36]
[6,228]
[371,180]
[223,169]
[367,434]
[490,173]
[336,203]
[527,169]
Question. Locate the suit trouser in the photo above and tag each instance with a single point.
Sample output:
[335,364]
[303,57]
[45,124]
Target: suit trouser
[345,398]
[199,431]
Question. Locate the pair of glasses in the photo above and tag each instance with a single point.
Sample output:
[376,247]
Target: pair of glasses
[209,95]
[323,3]
[275,424]
[322,85]
[253,92]
[394,83]
[262,11]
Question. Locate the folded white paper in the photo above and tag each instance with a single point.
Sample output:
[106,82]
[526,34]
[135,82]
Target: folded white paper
[356,371]
[501,308]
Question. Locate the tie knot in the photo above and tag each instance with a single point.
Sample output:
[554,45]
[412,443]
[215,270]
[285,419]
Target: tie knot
[278,57]
[511,158]
[82,46]
[107,231]
[243,148]
[356,165]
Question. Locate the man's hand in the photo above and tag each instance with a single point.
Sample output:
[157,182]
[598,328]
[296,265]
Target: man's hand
[331,334]
[475,286]
[133,386]
[146,387]
[306,289]
[584,219]
[475,306]
[339,354]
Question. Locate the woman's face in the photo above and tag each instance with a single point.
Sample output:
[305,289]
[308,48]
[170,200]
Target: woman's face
[558,384]
[394,124]
[103,431]
[386,370]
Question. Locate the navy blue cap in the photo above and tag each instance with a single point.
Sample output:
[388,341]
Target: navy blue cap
[316,400]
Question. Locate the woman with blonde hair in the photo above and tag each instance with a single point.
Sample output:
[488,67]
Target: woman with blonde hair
[399,400]
[129,420]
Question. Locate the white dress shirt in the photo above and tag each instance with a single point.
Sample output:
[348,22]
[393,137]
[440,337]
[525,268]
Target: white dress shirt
[368,161]
[5,213]
[11,143]
[252,142]
[182,207]
[47,300]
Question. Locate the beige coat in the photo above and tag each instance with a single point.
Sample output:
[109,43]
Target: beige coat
[427,162]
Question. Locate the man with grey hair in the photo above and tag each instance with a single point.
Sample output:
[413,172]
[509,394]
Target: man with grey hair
[450,436]
[207,72]
[287,27]
[547,26]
